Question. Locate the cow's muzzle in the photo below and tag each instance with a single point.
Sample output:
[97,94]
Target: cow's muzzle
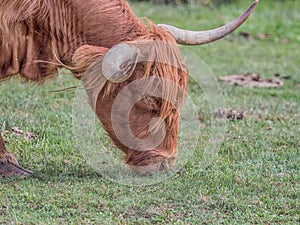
[165,165]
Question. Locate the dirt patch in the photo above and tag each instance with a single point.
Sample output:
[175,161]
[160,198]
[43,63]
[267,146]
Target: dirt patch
[17,132]
[251,80]
[230,114]
[264,36]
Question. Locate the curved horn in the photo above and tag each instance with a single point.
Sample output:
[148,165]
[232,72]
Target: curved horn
[187,37]
[119,62]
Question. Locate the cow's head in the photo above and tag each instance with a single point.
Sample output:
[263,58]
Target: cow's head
[137,88]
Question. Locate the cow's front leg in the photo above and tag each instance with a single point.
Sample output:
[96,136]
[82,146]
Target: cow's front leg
[9,165]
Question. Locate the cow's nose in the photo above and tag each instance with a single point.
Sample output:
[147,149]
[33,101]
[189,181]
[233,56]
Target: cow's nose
[169,163]
[164,165]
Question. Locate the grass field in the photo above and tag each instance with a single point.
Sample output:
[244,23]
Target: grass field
[253,180]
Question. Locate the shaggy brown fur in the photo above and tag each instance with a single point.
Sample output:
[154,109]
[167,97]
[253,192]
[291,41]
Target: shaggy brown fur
[37,31]
[39,36]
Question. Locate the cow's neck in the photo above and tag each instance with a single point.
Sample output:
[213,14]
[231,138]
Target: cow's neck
[40,45]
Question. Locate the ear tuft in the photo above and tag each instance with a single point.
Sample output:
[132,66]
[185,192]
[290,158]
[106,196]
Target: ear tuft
[84,56]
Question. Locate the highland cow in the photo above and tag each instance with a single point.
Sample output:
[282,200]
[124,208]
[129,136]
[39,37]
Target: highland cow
[37,37]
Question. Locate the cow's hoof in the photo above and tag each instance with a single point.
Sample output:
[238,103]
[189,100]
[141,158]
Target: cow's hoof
[8,169]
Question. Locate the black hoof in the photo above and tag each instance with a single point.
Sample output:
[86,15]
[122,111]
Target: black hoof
[8,169]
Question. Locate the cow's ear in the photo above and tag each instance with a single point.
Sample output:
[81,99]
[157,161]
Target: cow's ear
[119,62]
[84,56]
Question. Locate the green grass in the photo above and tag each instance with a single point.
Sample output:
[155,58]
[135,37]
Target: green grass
[253,180]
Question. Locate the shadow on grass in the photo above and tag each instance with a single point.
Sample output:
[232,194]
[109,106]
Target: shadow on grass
[65,174]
